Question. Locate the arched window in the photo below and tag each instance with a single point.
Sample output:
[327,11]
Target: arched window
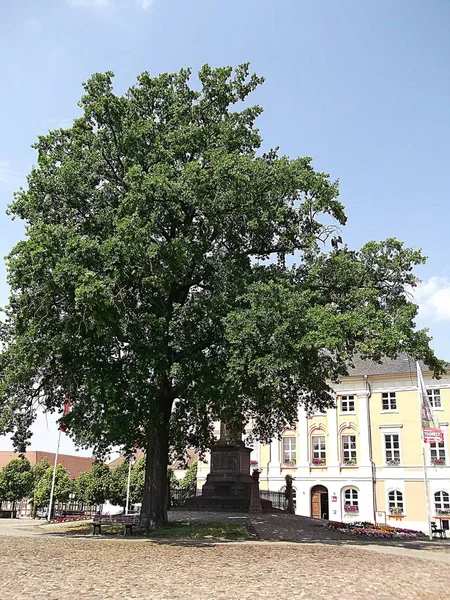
[442,502]
[351,500]
[395,502]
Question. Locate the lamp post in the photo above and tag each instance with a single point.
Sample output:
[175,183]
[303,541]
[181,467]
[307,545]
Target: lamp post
[131,462]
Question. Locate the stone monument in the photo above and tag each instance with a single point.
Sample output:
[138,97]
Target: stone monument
[229,482]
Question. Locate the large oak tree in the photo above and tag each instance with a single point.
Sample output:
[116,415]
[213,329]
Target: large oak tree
[143,289]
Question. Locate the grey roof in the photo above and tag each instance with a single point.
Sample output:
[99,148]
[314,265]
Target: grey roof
[403,364]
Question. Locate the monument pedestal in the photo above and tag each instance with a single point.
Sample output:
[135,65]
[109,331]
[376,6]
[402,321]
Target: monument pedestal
[229,478]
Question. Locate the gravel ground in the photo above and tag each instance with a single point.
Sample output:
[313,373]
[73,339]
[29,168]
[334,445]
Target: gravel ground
[38,565]
[57,568]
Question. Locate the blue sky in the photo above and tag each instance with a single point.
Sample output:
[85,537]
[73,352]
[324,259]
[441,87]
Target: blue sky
[360,86]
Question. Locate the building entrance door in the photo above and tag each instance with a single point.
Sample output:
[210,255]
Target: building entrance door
[319,502]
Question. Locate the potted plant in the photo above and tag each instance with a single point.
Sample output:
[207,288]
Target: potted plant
[348,462]
[351,508]
[318,461]
[393,462]
[290,462]
[396,511]
[443,512]
[438,462]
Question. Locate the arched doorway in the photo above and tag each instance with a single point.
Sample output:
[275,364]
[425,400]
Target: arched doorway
[319,502]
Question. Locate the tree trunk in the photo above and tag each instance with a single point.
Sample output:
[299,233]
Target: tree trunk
[154,502]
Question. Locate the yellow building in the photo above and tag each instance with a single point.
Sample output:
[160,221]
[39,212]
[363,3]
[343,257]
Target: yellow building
[363,459]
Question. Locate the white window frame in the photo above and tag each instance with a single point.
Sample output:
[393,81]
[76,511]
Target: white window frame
[290,454]
[444,504]
[352,501]
[439,450]
[386,434]
[344,401]
[390,396]
[254,455]
[351,451]
[434,393]
[321,452]
[396,491]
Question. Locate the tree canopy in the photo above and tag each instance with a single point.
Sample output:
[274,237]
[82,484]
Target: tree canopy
[93,486]
[118,484]
[16,480]
[64,487]
[143,289]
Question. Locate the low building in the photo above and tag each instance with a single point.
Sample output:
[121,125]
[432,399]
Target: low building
[362,461]
[74,465]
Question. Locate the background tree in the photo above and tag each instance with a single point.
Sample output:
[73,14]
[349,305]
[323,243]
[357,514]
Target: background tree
[137,481]
[93,486]
[16,480]
[38,470]
[64,487]
[144,279]
[189,480]
[118,484]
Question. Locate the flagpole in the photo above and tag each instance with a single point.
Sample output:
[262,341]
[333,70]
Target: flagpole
[425,472]
[49,515]
[128,487]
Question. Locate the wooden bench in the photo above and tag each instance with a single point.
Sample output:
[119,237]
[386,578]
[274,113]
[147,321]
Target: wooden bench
[128,521]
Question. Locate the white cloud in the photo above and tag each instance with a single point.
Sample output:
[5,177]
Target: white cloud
[433,298]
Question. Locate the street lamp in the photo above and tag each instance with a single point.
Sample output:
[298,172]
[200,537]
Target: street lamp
[131,462]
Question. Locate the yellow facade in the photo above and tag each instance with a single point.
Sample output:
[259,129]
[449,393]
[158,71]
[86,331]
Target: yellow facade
[365,453]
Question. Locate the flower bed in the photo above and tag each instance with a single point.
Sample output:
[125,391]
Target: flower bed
[69,519]
[367,529]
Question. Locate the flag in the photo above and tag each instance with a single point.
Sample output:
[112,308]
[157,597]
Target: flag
[430,425]
[65,411]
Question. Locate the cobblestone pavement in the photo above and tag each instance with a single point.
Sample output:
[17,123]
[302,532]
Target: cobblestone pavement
[59,568]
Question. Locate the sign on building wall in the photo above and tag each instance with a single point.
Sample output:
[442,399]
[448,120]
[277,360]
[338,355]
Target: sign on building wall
[380,516]
[430,425]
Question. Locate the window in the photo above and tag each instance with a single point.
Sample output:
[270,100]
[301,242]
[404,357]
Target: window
[389,401]
[347,404]
[289,451]
[349,449]
[395,502]
[392,449]
[442,503]
[351,501]
[319,452]
[437,453]
[254,456]
[434,396]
